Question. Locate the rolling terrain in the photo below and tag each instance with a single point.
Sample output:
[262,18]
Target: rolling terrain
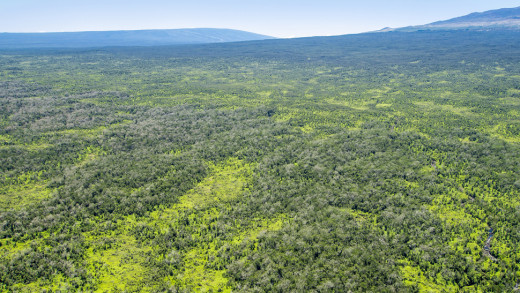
[159,37]
[367,163]
[500,19]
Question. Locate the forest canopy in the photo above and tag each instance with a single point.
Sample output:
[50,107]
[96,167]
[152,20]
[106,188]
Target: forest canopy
[376,162]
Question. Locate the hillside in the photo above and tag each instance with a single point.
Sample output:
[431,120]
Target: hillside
[500,19]
[125,38]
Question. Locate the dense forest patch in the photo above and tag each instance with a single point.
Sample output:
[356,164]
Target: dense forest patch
[383,162]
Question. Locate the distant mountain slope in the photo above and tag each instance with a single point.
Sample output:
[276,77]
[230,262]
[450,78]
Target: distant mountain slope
[506,18]
[125,38]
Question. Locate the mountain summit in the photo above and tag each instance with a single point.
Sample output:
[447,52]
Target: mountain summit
[126,38]
[500,19]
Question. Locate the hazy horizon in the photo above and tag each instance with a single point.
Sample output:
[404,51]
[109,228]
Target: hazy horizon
[281,19]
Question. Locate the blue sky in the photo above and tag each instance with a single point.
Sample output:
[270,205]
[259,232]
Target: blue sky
[279,18]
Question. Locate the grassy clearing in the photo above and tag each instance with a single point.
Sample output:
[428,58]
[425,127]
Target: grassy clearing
[508,132]
[414,277]
[431,106]
[227,181]
[16,197]
[201,275]
[116,258]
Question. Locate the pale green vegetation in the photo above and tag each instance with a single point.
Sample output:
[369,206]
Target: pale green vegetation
[118,260]
[346,164]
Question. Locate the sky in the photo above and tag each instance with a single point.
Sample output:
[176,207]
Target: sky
[278,18]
